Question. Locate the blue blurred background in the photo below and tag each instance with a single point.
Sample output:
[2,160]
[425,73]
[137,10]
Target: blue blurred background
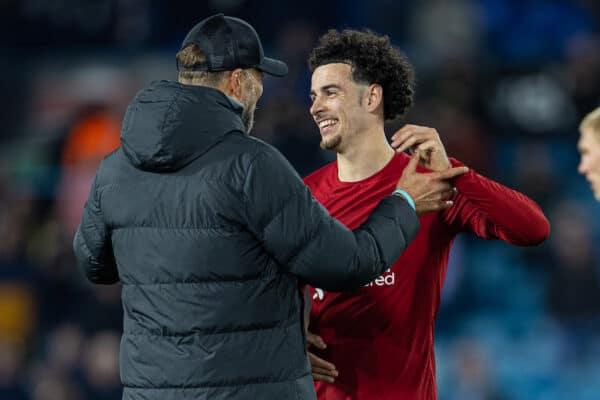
[505,82]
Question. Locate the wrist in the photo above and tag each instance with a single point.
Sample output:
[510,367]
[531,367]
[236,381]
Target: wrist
[404,194]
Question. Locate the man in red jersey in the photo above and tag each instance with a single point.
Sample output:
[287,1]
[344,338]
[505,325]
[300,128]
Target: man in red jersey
[379,339]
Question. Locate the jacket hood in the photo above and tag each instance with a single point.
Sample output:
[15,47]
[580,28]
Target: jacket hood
[168,125]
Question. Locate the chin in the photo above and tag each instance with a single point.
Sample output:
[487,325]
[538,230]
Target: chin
[331,142]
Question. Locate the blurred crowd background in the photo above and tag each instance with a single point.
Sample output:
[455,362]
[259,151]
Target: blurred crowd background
[505,82]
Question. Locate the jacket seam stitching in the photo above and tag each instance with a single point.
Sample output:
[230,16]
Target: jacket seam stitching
[279,325]
[199,282]
[242,383]
[178,94]
[224,228]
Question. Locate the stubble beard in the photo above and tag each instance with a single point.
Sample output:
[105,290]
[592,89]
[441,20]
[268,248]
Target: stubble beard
[248,117]
[331,142]
[249,103]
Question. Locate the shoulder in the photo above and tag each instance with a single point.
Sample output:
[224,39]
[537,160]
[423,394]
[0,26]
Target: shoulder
[260,148]
[109,167]
[263,153]
[260,160]
[241,152]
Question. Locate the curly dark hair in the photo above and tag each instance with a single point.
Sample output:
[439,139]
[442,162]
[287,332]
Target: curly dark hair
[373,60]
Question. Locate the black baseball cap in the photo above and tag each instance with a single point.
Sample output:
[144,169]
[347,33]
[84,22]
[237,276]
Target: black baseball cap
[230,43]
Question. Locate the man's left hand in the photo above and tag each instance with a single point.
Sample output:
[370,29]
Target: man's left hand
[427,141]
[321,370]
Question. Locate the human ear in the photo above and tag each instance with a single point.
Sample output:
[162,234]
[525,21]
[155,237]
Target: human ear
[374,95]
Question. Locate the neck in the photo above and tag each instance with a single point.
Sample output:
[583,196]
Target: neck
[368,155]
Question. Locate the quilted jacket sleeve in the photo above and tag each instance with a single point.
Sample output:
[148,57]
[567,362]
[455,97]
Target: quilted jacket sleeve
[92,245]
[306,241]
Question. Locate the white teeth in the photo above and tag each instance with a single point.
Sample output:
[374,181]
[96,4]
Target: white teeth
[327,122]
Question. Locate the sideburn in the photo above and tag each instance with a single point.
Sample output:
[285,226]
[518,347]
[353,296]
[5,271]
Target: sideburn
[361,93]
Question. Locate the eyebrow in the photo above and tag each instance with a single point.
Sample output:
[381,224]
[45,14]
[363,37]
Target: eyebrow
[326,87]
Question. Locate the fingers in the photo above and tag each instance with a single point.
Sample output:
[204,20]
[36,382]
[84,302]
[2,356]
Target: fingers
[403,146]
[414,161]
[442,192]
[322,378]
[427,146]
[321,369]
[404,128]
[451,173]
[407,130]
[407,140]
[442,187]
[448,194]
[439,191]
[441,195]
[434,205]
[330,373]
[315,340]
[410,135]
[439,199]
[318,362]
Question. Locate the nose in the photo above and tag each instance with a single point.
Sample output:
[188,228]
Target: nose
[316,107]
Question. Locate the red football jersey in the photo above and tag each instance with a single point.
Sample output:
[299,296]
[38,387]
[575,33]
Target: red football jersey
[380,337]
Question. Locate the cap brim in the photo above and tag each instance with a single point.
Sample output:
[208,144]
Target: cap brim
[273,67]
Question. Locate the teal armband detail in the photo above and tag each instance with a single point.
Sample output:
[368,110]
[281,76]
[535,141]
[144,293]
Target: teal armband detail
[406,196]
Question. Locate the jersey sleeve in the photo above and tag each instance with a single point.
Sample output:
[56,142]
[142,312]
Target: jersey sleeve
[494,211]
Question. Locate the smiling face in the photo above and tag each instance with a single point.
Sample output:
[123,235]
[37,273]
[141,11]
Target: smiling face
[589,165]
[337,105]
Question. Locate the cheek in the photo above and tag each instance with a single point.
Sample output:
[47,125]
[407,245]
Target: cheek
[355,119]
[594,163]
[344,112]
[253,93]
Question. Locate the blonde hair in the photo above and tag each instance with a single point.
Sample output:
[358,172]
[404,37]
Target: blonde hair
[592,122]
[190,56]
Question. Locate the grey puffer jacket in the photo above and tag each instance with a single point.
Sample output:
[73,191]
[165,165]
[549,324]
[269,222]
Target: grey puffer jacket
[210,232]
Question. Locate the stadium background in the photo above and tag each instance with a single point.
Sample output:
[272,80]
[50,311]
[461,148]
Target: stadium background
[505,82]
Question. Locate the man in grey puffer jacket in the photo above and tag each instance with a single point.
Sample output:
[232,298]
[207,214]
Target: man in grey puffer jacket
[211,231]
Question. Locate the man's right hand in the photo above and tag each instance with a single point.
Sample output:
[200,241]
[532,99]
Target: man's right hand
[430,191]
